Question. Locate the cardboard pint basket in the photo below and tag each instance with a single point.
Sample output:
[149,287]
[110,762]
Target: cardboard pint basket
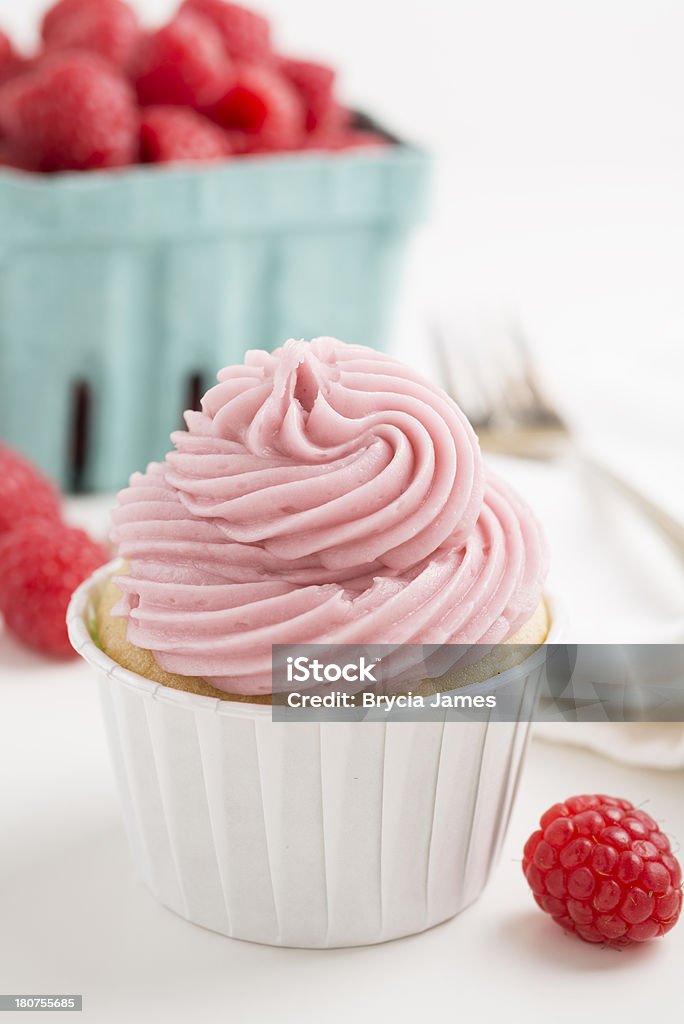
[123,293]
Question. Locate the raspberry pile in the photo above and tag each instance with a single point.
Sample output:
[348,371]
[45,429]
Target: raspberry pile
[42,559]
[92,96]
[604,870]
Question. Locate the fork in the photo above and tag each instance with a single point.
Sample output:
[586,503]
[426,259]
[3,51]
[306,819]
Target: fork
[499,391]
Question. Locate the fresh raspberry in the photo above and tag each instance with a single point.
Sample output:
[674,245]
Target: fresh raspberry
[604,870]
[11,158]
[9,60]
[246,35]
[315,84]
[41,564]
[9,95]
[183,64]
[170,134]
[263,105]
[13,63]
[13,69]
[361,139]
[24,492]
[73,112]
[353,138]
[108,28]
[7,53]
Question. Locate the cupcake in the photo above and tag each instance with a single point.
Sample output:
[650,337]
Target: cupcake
[324,494]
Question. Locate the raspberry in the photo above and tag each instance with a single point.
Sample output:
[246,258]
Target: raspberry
[246,35]
[314,83]
[108,28]
[183,64]
[73,112]
[7,53]
[361,139]
[24,492]
[13,69]
[8,58]
[263,105]
[41,564]
[9,94]
[12,63]
[169,133]
[351,139]
[11,158]
[603,870]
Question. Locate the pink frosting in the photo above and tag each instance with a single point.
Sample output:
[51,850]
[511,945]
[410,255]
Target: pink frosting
[325,493]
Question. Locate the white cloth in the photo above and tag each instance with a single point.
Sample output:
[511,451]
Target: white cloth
[614,577]
[646,745]
[616,582]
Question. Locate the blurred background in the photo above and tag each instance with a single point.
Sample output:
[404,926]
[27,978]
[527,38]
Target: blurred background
[558,138]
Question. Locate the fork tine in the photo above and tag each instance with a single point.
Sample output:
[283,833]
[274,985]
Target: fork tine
[510,396]
[439,347]
[464,387]
[515,393]
[526,364]
[493,381]
[484,348]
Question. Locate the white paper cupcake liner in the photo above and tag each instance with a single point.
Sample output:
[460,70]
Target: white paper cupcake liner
[306,834]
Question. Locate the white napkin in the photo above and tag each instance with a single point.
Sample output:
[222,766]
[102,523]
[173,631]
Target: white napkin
[616,582]
[647,745]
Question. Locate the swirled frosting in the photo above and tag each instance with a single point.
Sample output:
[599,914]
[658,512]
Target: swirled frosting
[325,493]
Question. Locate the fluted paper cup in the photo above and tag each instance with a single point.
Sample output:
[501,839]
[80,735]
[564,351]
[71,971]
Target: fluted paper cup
[306,834]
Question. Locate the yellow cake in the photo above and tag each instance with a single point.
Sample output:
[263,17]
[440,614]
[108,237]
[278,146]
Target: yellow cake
[110,632]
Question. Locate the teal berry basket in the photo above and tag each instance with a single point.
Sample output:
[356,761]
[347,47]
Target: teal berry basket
[122,294]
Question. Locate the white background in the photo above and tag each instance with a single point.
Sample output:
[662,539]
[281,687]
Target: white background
[559,128]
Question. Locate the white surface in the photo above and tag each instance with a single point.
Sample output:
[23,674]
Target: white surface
[560,190]
[74,919]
